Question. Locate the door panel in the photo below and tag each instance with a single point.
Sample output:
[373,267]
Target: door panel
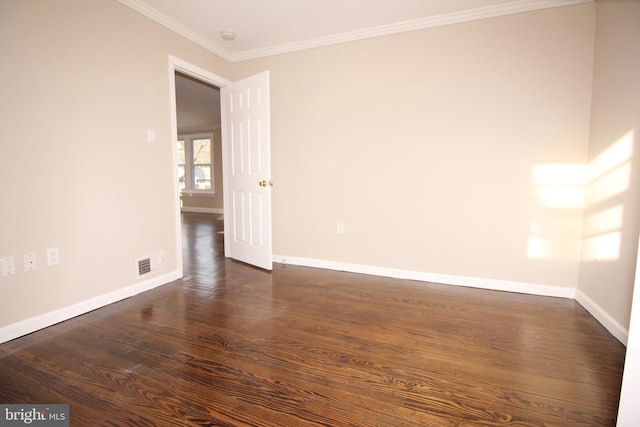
[246,156]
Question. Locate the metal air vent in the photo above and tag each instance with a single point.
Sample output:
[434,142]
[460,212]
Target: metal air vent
[144,266]
[150,264]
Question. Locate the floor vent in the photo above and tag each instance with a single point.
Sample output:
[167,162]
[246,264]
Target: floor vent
[150,264]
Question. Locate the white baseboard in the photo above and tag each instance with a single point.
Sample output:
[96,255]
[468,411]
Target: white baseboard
[27,326]
[203,210]
[445,279]
[615,328]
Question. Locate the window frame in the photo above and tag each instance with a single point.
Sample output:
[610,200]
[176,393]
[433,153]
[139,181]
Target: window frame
[189,163]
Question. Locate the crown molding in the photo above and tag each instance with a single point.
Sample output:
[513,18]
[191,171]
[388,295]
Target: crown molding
[413,25]
[153,14]
[383,30]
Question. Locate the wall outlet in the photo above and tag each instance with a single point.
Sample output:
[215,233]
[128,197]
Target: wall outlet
[7,266]
[340,228]
[53,256]
[30,261]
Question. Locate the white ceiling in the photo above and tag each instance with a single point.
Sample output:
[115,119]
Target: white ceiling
[266,27]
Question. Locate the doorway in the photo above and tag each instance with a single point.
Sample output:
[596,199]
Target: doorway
[196,118]
[246,162]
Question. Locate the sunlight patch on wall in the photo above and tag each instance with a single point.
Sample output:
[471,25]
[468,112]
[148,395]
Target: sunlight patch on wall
[559,191]
[619,153]
[602,235]
[560,186]
[538,247]
[613,182]
[563,191]
[605,247]
[604,221]
[608,175]
[554,237]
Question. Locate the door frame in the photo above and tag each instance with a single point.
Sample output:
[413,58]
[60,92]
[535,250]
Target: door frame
[184,67]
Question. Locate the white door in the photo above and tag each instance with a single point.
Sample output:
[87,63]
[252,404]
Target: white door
[246,156]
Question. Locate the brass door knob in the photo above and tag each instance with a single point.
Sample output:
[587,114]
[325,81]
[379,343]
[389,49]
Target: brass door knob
[262,183]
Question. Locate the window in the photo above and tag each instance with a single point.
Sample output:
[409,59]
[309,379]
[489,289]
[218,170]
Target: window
[195,163]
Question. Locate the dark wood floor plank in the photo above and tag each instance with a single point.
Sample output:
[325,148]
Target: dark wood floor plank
[230,345]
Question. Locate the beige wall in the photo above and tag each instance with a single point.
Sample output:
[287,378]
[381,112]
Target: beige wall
[612,213]
[82,80]
[424,144]
[208,203]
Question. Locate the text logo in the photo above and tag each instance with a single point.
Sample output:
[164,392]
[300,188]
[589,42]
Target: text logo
[34,415]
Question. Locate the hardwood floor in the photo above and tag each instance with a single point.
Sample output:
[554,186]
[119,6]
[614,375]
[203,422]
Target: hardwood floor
[230,345]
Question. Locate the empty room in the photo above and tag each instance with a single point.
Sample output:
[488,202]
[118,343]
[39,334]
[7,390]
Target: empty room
[414,213]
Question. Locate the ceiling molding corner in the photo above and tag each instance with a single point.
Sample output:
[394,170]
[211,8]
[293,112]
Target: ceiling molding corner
[162,19]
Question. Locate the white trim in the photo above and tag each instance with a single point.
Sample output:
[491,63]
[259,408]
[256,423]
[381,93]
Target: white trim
[616,329]
[219,211]
[383,30]
[445,279]
[174,65]
[177,64]
[197,193]
[42,321]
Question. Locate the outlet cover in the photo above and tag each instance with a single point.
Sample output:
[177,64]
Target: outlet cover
[53,256]
[7,266]
[30,261]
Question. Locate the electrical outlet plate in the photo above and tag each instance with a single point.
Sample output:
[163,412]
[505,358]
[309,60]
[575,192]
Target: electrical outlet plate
[7,266]
[53,256]
[30,261]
